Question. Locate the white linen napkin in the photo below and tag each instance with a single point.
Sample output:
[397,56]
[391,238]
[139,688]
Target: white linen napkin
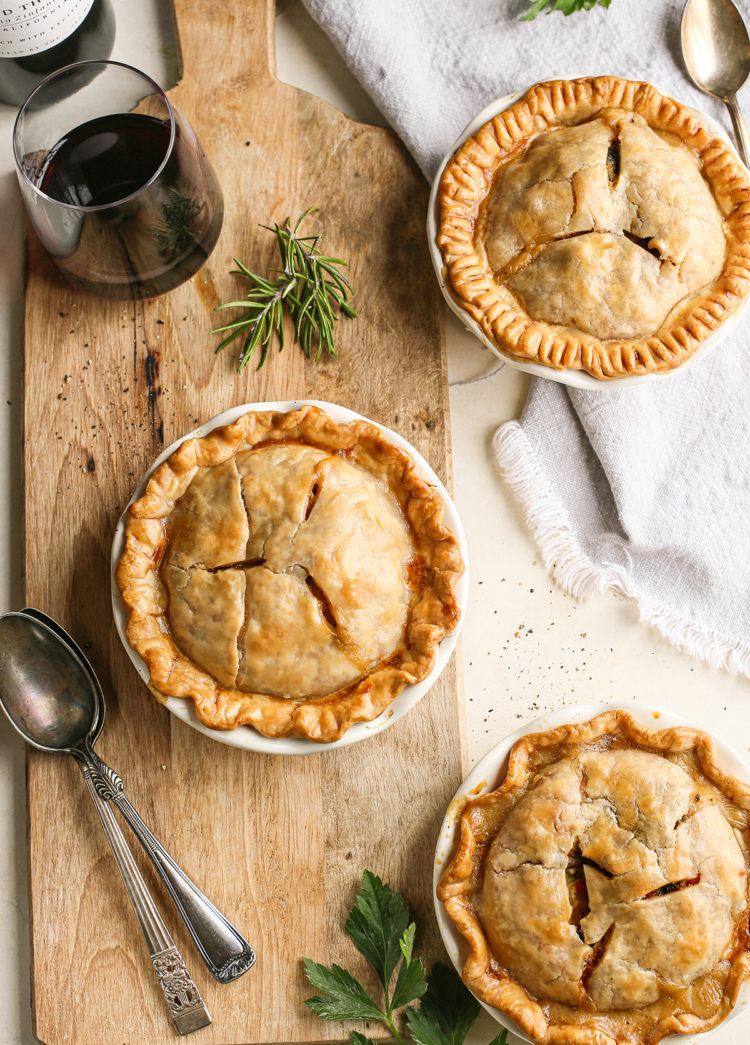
[644,491]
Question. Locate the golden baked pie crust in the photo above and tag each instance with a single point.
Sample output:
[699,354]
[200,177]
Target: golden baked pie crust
[436,569]
[458,887]
[467,181]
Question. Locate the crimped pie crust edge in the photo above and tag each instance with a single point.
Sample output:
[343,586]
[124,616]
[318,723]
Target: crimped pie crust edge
[323,719]
[502,992]
[465,183]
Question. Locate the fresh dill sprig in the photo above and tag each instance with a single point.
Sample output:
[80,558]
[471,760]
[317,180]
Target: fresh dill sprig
[308,283]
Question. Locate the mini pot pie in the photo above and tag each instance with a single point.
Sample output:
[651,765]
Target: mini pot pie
[596,225]
[603,887]
[289,573]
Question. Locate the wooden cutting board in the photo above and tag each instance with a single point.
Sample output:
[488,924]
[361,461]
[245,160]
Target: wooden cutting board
[278,843]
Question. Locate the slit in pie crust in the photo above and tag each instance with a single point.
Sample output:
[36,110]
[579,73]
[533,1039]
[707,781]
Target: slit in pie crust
[596,225]
[603,887]
[289,573]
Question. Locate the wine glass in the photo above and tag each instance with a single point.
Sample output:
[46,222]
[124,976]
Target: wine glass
[124,200]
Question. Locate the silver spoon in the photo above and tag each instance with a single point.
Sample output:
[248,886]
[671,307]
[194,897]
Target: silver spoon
[74,722]
[226,953]
[716,50]
[53,699]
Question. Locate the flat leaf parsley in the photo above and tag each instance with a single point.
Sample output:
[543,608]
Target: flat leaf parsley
[379,926]
[568,7]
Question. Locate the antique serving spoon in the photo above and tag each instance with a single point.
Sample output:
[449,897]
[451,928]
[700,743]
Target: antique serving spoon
[716,50]
[53,699]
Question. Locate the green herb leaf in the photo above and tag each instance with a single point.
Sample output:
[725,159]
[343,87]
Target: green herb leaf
[568,7]
[344,998]
[380,928]
[360,1039]
[308,283]
[447,1010]
[410,983]
[406,943]
[376,924]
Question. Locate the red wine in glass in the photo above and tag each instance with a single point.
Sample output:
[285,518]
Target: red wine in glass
[106,159]
[125,202]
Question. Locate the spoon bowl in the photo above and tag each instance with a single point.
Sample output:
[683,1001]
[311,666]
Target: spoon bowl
[716,50]
[96,687]
[44,689]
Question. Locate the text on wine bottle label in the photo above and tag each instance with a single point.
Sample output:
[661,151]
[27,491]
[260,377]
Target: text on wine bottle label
[30,26]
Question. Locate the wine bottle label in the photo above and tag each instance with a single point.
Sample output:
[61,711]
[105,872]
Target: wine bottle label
[30,26]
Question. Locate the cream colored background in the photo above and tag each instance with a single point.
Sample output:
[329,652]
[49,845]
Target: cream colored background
[527,647]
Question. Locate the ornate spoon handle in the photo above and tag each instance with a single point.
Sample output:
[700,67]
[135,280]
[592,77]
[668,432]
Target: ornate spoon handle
[186,1007]
[226,953]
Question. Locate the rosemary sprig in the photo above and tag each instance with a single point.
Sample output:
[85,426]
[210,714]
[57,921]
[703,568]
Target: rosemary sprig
[308,282]
[177,230]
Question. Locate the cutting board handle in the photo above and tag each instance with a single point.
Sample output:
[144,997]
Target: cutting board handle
[231,47]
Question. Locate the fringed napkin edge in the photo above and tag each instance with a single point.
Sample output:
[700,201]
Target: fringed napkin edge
[579,575]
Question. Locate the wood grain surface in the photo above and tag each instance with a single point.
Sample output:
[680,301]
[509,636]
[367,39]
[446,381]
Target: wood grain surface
[278,843]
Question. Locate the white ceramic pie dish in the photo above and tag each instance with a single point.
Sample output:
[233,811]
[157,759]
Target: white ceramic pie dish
[488,773]
[574,378]
[245,736]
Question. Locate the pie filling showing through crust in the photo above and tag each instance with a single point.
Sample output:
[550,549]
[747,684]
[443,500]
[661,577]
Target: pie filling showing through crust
[603,887]
[288,573]
[596,225]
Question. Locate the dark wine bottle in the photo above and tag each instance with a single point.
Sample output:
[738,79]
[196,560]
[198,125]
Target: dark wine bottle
[39,36]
